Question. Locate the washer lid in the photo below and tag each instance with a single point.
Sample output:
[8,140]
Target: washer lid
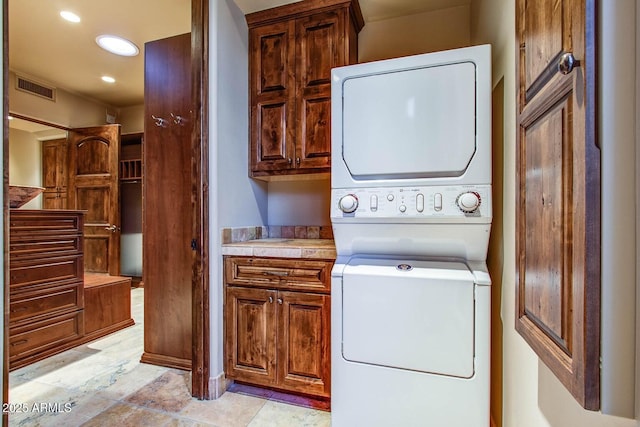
[410,315]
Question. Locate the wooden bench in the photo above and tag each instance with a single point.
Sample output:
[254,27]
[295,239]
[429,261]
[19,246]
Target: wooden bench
[107,305]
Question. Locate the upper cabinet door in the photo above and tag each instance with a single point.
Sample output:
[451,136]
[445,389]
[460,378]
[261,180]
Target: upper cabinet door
[558,192]
[319,49]
[272,96]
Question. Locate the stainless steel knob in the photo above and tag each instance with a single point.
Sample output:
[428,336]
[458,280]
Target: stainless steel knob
[567,63]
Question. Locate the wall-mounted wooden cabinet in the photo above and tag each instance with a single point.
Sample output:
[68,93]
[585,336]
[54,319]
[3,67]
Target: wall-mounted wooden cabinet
[278,323]
[292,49]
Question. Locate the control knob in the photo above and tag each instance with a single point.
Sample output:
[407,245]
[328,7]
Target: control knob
[468,202]
[348,203]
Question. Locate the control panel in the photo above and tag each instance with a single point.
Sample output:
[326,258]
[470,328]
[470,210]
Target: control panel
[414,202]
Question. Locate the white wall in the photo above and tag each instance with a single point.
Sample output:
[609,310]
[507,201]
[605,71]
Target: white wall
[68,110]
[235,199]
[413,34]
[25,163]
[532,396]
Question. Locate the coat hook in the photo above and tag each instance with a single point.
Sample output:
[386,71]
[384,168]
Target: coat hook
[160,122]
[179,120]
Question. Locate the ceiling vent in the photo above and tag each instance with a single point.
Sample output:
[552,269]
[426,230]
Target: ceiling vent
[34,88]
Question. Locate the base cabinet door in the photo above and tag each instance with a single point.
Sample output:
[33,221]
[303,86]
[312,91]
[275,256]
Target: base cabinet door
[250,341]
[304,331]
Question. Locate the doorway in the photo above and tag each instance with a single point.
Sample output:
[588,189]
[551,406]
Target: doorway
[199,31]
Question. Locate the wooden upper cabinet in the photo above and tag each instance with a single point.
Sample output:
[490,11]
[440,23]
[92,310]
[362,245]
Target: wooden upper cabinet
[558,192]
[292,50]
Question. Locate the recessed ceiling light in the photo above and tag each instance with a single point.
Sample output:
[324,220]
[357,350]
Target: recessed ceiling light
[108,79]
[117,45]
[70,16]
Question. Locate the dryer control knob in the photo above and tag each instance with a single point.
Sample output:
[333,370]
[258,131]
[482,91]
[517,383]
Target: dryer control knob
[468,202]
[348,203]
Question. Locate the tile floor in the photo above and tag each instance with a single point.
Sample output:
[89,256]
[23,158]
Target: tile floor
[104,384]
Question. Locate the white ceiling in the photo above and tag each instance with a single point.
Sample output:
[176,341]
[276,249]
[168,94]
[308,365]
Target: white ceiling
[44,47]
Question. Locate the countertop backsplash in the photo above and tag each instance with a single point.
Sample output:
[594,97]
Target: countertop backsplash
[242,234]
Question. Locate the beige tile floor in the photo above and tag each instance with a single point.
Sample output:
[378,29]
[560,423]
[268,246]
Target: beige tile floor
[103,383]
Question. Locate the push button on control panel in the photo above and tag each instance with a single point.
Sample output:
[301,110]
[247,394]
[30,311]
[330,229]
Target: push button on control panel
[437,202]
[373,203]
[420,202]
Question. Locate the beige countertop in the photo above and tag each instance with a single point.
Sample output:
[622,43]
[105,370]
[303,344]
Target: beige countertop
[283,248]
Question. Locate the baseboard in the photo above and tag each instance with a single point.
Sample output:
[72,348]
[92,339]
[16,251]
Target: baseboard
[167,361]
[217,386]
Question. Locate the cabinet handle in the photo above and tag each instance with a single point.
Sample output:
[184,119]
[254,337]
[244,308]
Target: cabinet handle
[15,343]
[18,309]
[276,273]
[298,161]
[270,300]
[289,160]
[279,300]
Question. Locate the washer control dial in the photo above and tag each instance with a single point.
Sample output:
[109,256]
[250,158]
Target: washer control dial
[348,203]
[468,202]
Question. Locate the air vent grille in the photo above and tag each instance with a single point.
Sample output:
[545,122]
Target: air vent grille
[34,88]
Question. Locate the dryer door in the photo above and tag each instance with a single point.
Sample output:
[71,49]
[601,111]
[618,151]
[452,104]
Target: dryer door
[413,315]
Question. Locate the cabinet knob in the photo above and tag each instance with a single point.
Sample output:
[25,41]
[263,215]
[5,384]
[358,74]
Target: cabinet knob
[279,300]
[270,300]
[289,160]
[297,161]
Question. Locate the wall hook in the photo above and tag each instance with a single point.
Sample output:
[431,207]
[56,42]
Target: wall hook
[160,122]
[179,120]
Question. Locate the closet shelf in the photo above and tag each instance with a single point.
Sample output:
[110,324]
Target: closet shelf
[130,169]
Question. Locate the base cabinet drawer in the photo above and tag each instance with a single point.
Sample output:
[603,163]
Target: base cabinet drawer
[38,337]
[30,305]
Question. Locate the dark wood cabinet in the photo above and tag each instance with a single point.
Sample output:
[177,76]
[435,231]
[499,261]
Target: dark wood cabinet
[46,299]
[292,49]
[167,207]
[54,174]
[278,323]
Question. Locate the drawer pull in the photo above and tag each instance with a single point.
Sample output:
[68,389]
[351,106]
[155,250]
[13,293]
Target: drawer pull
[15,343]
[276,273]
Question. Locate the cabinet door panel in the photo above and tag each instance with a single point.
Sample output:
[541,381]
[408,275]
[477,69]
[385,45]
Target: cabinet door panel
[304,349]
[250,331]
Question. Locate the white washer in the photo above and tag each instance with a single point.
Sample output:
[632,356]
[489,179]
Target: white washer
[410,343]
[411,213]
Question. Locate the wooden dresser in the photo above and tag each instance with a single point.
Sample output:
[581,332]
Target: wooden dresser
[46,303]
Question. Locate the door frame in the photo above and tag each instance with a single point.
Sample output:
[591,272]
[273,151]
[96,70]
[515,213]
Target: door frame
[200,196]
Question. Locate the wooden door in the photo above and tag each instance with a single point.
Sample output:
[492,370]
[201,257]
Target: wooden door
[319,49]
[93,187]
[272,96]
[169,243]
[558,192]
[250,335]
[54,174]
[304,336]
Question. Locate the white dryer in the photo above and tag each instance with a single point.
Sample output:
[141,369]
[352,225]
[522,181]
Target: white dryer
[411,215]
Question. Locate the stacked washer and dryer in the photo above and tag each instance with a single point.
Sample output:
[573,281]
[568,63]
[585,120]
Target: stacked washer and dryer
[411,216]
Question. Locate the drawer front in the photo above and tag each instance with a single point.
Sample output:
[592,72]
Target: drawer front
[279,273]
[43,335]
[45,222]
[46,272]
[27,305]
[31,247]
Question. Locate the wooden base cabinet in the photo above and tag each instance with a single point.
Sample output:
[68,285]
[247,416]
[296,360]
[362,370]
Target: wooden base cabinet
[277,333]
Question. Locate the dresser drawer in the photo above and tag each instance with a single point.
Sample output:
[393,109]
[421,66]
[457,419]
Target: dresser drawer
[32,247]
[45,222]
[279,273]
[33,304]
[46,272]
[44,335]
